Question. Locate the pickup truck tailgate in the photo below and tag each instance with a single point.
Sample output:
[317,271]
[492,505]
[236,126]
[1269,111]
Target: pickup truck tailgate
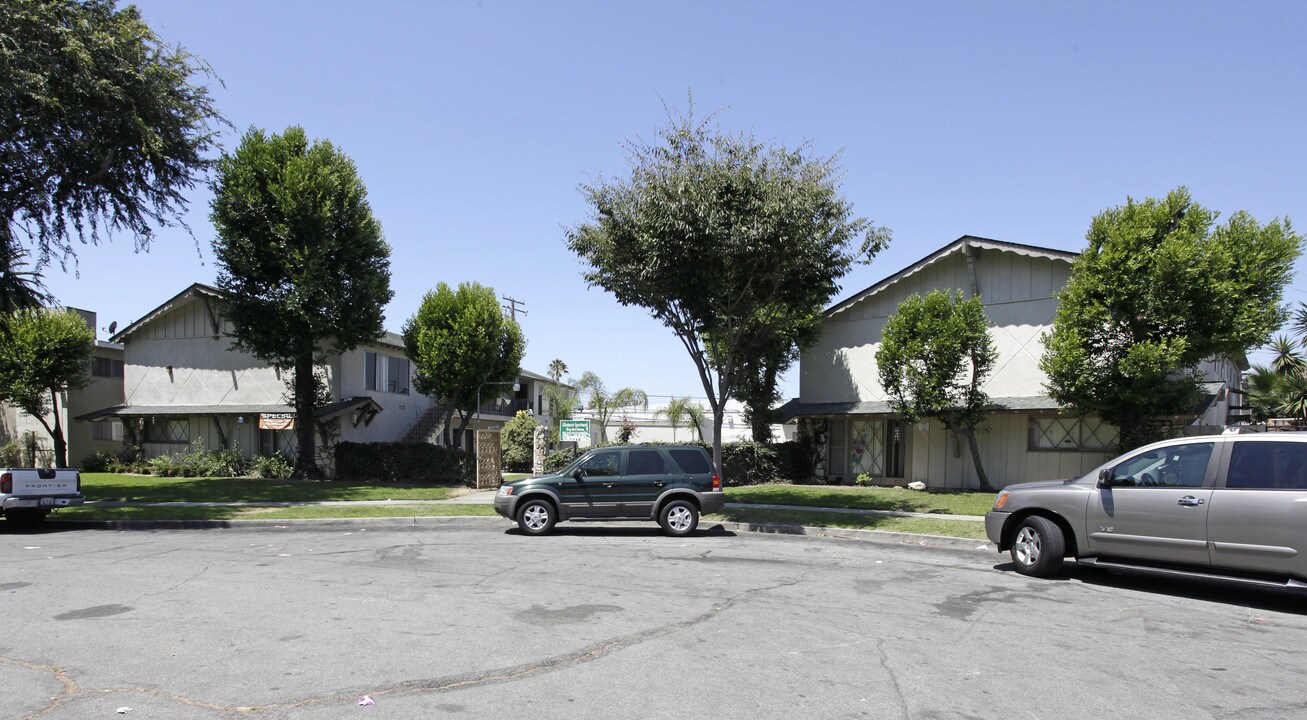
[23,482]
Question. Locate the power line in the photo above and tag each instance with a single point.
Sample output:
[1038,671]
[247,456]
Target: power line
[511,307]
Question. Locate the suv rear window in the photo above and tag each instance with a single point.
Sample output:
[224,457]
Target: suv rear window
[693,462]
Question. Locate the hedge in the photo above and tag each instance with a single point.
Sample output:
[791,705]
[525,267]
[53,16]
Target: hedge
[404,462]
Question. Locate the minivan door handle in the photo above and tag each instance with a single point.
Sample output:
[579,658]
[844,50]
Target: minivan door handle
[1190,501]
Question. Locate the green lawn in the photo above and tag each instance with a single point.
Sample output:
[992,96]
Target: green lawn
[864,498]
[147,488]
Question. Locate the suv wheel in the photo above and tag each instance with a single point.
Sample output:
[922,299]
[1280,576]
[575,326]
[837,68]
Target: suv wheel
[1038,547]
[679,518]
[536,517]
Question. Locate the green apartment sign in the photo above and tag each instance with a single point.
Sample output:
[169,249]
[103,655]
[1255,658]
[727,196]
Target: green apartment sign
[574,430]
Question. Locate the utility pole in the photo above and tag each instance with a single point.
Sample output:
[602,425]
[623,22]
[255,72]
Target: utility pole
[511,307]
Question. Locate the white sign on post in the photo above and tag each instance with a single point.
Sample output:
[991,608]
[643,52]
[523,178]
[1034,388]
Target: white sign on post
[574,431]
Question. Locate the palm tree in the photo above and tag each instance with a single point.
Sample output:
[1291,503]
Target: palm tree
[557,369]
[1287,360]
[563,402]
[678,411]
[604,405]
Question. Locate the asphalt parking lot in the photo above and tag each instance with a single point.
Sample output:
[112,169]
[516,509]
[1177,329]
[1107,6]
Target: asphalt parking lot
[469,619]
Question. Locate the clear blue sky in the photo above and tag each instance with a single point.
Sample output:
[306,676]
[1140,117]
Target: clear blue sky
[473,122]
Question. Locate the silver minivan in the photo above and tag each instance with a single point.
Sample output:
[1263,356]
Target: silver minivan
[1223,506]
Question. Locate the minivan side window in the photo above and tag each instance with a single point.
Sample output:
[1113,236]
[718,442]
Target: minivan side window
[1174,466]
[1268,466]
[692,462]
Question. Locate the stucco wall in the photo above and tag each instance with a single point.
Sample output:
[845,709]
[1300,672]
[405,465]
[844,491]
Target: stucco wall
[1017,293]
[399,411]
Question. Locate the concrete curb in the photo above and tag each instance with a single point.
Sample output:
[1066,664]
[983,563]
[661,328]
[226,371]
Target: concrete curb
[876,536]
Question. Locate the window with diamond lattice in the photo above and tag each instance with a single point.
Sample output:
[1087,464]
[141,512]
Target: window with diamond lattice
[159,430]
[1072,434]
[867,447]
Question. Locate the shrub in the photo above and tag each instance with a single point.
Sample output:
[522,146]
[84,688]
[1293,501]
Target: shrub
[518,441]
[11,455]
[163,467]
[748,463]
[626,431]
[796,461]
[404,462]
[271,466]
[864,480]
[99,462]
[558,459]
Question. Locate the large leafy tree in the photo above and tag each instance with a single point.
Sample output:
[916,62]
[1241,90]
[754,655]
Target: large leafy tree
[1160,288]
[460,340]
[757,376]
[934,357]
[302,261]
[724,239]
[604,404]
[47,351]
[102,129]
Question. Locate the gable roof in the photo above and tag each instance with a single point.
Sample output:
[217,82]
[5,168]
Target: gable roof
[195,290]
[200,290]
[962,246]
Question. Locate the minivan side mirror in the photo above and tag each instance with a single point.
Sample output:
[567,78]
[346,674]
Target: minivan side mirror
[577,474]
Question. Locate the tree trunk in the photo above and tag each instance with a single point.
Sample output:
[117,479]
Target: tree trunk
[1134,432]
[717,438]
[306,466]
[760,415]
[970,434]
[464,419]
[57,433]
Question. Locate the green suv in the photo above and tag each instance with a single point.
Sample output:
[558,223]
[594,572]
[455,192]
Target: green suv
[672,484]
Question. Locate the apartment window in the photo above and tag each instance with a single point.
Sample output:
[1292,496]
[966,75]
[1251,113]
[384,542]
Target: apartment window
[111,430]
[385,373]
[160,430]
[107,368]
[1072,434]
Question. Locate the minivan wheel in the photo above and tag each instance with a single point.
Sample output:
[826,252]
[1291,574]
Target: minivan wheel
[1038,547]
[679,518]
[536,517]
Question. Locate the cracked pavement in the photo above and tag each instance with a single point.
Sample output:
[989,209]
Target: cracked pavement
[613,621]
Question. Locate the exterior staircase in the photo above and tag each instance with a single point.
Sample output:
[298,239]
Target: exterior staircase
[427,428]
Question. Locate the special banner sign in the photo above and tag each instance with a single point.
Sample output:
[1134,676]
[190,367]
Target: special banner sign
[277,421]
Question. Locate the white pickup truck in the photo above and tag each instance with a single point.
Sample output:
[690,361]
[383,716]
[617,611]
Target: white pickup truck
[27,495]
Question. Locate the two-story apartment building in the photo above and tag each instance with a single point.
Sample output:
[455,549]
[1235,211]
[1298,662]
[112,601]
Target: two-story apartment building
[1026,436]
[184,382]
